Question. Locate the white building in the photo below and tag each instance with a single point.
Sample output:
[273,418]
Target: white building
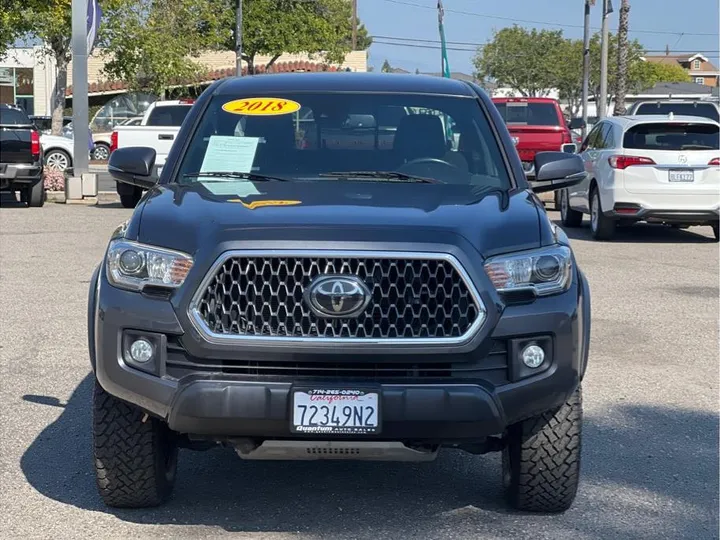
[27,76]
[27,79]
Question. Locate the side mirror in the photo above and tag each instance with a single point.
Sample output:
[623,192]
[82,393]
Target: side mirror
[557,170]
[570,148]
[133,165]
[577,123]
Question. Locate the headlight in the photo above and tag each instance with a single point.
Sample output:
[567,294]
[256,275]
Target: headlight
[546,271]
[131,265]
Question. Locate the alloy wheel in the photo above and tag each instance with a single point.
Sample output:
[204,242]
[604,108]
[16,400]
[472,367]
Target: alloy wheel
[57,161]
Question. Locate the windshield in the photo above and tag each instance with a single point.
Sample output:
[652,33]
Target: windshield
[13,117]
[531,114]
[346,136]
[168,115]
[672,136]
[706,110]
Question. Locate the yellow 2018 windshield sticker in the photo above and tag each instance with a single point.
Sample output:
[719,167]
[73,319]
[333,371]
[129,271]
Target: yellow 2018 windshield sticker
[259,204]
[265,106]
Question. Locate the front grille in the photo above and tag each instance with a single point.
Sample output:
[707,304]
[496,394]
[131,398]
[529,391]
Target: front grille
[488,365]
[411,298]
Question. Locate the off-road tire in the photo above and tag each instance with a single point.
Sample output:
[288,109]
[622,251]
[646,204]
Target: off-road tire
[35,195]
[541,462]
[605,227]
[131,200]
[135,461]
[568,217]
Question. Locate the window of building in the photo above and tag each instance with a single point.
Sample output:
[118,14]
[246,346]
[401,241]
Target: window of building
[700,80]
[16,88]
[696,64]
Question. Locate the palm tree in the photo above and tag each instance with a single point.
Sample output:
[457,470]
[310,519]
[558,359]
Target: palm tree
[622,64]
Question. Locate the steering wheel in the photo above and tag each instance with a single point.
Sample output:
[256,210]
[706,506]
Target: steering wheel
[440,169]
[428,161]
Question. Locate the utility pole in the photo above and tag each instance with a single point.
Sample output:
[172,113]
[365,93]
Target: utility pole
[354,25]
[81,130]
[445,65]
[586,66]
[238,38]
[602,98]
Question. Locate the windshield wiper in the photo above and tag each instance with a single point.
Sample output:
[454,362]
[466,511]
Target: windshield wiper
[391,176]
[235,174]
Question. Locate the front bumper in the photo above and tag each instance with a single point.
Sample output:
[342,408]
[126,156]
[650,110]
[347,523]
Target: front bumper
[220,402]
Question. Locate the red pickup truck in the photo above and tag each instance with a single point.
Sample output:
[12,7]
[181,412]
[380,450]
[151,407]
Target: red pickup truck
[536,125]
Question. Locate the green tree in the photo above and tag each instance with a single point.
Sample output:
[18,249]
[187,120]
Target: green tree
[364,40]
[153,44]
[570,74]
[53,25]
[527,61]
[274,27]
[386,67]
[644,75]
[13,21]
[635,53]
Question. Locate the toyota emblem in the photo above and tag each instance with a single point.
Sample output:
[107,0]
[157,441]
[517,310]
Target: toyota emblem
[337,296]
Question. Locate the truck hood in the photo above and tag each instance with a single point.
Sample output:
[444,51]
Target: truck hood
[188,217]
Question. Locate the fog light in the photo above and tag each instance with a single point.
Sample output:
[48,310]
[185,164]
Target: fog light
[141,350]
[533,356]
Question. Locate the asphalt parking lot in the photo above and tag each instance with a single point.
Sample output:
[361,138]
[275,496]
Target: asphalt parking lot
[650,452]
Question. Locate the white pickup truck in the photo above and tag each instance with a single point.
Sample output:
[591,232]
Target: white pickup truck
[158,129]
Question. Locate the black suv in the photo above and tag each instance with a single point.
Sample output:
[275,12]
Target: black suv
[21,156]
[292,291]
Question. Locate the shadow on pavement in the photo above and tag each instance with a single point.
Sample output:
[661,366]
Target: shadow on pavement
[642,233]
[670,453]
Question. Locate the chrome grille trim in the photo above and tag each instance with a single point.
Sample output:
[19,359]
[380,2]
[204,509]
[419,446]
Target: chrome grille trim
[210,336]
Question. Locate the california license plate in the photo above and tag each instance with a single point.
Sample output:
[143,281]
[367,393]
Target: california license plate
[339,411]
[681,176]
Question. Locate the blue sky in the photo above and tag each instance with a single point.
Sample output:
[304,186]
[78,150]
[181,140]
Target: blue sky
[396,18]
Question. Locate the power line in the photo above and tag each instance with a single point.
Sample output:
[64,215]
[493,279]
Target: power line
[478,44]
[473,47]
[545,23]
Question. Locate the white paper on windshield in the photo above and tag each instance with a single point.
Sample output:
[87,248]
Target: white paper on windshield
[237,188]
[229,154]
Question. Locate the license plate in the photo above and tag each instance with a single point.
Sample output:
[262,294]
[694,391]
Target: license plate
[341,411]
[681,176]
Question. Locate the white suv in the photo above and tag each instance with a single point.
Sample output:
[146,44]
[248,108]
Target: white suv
[663,169]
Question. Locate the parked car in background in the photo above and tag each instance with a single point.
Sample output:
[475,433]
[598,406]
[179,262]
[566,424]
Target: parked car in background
[157,130]
[103,141]
[660,169]
[679,107]
[58,152]
[536,125]
[44,123]
[21,156]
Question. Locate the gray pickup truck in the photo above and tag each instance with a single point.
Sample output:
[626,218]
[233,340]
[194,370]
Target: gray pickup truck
[363,302]
[21,156]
